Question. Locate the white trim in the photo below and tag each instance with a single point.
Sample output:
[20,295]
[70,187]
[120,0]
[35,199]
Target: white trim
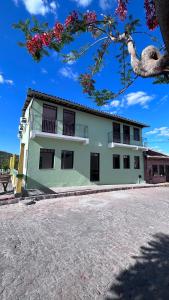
[36,133]
[134,147]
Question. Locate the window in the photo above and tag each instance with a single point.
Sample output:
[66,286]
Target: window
[116,133]
[136,132]
[49,119]
[155,170]
[161,170]
[46,160]
[67,158]
[126,162]
[126,134]
[136,162]
[116,161]
[68,122]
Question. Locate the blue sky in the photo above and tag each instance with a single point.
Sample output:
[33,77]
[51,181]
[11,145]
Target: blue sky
[143,101]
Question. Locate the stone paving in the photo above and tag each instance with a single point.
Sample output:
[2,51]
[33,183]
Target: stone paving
[103,246]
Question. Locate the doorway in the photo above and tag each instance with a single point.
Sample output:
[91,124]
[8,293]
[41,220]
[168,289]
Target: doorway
[49,119]
[94,167]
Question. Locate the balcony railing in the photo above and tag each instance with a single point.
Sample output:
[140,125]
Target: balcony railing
[58,127]
[126,139]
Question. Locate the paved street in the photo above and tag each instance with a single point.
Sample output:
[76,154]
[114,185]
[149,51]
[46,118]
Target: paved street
[102,246]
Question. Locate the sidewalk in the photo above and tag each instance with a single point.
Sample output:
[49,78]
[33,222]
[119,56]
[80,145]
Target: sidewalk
[37,195]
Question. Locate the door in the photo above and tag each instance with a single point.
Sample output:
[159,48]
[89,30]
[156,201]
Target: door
[49,119]
[126,134]
[116,133]
[94,167]
[68,122]
[167,173]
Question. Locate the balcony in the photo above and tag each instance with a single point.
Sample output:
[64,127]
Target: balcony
[58,130]
[126,141]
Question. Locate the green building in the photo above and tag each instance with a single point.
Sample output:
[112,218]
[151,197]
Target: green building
[68,144]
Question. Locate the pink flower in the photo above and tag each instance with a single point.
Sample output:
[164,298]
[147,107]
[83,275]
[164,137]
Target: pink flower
[46,38]
[71,19]
[151,17]
[34,44]
[121,10]
[90,17]
[87,83]
[58,30]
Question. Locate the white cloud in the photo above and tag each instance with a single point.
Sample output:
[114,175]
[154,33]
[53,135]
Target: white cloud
[44,71]
[115,103]
[83,3]
[112,104]
[140,97]
[7,81]
[39,7]
[136,98]
[53,6]
[71,58]
[105,4]
[161,131]
[68,73]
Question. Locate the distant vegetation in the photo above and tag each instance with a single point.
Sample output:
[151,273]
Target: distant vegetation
[4,159]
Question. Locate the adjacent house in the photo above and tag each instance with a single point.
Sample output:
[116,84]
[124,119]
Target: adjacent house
[67,144]
[156,167]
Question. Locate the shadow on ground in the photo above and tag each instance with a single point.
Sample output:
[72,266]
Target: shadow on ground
[148,278]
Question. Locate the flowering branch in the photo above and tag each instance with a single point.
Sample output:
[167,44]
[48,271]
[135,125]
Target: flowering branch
[40,39]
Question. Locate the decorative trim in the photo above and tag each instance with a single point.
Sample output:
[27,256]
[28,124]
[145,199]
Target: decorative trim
[134,147]
[35,133]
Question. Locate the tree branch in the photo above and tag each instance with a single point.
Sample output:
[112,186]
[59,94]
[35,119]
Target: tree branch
[151,64]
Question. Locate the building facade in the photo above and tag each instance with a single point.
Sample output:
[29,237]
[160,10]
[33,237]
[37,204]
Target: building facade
[67,144]
[156,167]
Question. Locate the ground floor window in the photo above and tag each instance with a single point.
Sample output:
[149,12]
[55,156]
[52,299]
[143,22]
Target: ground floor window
[46,160]
[155,170]
[116,161]
[161,170]
[126,162]
[136,162]
[67,158]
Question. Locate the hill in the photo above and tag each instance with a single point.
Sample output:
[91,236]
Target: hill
[4,157]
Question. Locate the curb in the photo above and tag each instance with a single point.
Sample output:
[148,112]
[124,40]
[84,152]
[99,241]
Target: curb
[33,199]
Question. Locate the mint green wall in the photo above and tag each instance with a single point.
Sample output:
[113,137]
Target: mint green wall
[25,138]
[80,175]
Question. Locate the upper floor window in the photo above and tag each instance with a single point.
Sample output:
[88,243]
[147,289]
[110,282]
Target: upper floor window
[126,134]
[116,133]
[68,122]
[126,162]
[67,158]
[46,160]
[116,161]
[136,133]
[136,162]
[49,118]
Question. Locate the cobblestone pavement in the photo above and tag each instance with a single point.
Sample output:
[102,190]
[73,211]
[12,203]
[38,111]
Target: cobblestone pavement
[87,247]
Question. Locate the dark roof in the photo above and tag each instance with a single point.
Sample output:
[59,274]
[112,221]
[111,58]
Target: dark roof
[152,153]
[67,103]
